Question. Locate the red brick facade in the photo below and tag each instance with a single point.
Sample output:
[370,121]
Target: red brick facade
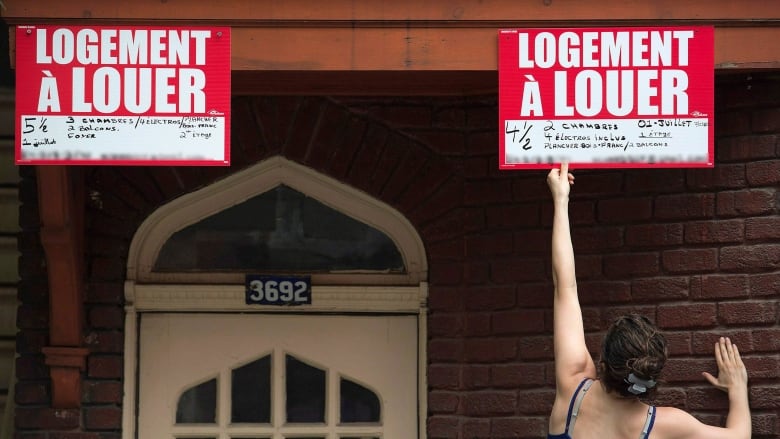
[696,250]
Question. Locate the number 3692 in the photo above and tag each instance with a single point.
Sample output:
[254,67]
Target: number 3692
[278,290]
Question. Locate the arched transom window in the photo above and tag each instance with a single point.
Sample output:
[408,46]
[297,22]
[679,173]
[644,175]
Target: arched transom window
[277,217]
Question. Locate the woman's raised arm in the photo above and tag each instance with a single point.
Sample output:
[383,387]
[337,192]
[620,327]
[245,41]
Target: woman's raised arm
[572,359]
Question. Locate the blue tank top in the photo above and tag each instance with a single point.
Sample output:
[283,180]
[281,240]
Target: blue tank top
[574,409]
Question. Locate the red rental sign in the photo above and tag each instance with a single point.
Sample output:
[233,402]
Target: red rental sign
[606,97]
[122,95]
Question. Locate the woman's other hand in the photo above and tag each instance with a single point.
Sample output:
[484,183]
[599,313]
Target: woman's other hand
[731,370]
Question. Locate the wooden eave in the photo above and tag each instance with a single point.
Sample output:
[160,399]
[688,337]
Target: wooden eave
[407,46]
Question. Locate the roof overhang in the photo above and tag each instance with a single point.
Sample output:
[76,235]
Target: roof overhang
[407,46]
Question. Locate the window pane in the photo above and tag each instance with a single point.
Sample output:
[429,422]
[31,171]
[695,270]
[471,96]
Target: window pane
[281,229]
[305,392]
[358,404]
[198,404]
[251,392]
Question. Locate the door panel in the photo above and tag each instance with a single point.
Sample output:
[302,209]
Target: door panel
[187,363]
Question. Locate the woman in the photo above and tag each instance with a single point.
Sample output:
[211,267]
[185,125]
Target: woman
[604,402]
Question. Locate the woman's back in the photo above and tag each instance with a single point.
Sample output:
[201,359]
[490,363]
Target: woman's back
[599,415]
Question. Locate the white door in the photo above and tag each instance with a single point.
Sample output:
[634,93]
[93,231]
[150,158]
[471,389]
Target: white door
[274,376]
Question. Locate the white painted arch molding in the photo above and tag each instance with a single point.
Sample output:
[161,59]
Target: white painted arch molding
[195,206]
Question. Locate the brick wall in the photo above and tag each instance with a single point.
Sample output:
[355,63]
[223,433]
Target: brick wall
[696,250]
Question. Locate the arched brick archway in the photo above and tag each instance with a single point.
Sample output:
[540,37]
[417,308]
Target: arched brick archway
[351,146]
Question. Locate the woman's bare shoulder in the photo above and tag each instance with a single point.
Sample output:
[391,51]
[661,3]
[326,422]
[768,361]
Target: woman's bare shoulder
[671,423]
[674,423]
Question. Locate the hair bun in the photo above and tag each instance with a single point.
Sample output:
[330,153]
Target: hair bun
[632,346]
[647,367]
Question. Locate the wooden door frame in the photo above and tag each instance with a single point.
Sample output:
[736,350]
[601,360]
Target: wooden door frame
[229,298]
[146,291]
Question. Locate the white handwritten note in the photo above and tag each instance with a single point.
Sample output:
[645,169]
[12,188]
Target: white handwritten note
[117,138]
[605,140]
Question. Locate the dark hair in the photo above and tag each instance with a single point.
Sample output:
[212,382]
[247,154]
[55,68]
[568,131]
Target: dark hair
[632,345]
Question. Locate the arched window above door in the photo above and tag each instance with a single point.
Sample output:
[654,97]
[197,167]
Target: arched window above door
[277,217]
[281,230]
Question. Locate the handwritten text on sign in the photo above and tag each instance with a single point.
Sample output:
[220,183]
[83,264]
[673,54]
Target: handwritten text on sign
[123,95]
[618,97]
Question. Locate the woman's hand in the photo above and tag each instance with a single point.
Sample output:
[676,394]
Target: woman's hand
[731,371]
[560,181]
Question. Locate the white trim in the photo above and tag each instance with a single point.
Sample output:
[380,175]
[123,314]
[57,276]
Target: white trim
[231,298]
[193,207]
[422,365]
[146,291]
[130,372]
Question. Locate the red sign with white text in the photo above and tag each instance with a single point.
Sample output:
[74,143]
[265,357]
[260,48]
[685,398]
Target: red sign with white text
[606,97]
[122,95]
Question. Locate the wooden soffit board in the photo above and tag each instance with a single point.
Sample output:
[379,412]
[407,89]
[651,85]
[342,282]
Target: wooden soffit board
[337,46]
